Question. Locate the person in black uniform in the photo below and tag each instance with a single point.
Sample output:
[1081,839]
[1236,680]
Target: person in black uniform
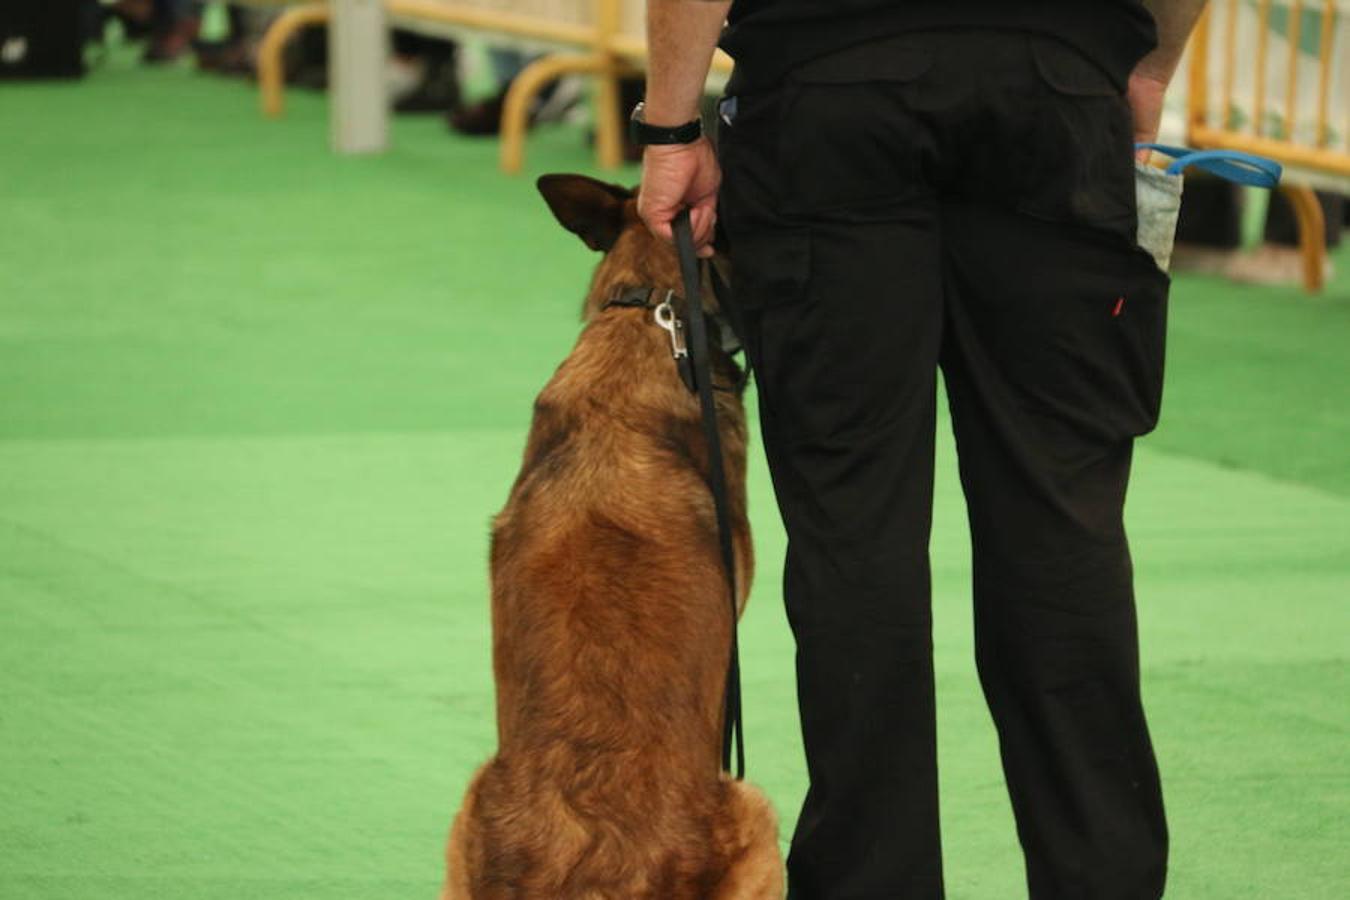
[908,185]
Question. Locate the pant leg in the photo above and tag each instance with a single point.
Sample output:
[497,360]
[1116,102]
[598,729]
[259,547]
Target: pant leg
[841,316]
[848,425]
[1054,323]
[1053,364]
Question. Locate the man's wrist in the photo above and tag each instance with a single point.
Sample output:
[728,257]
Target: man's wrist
[1153,75]
[646,132]
[673,149]
[668,116]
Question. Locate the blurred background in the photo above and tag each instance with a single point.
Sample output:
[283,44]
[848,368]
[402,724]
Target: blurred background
[276,294]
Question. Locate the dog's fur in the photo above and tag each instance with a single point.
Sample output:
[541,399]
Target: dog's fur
[611,621]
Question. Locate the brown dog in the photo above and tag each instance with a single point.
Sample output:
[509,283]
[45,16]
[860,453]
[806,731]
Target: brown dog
[611,620]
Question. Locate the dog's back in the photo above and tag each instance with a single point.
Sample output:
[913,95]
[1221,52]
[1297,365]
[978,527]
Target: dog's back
[612,633]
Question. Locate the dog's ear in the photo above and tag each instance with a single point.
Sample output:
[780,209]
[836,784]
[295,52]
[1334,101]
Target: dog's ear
[590,209]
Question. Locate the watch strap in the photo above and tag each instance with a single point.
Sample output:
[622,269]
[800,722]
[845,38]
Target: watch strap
[644,134]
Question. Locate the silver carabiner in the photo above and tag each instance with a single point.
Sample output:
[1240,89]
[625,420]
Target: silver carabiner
[666,318]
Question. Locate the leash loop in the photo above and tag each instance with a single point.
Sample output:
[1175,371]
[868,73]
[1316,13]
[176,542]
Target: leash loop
[1231,165]
[733,731]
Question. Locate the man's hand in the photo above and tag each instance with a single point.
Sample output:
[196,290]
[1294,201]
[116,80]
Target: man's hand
[681,37]
[1146,102]
[675,176]
[1175,20]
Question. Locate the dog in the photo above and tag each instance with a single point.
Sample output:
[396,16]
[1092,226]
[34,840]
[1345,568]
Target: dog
[611,617]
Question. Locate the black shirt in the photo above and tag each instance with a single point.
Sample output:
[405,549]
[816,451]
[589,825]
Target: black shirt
[768,37]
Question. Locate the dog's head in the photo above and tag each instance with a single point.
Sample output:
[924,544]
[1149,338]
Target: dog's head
[605,217]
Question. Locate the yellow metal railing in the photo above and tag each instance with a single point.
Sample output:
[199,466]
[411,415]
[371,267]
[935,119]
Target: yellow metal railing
[1281,136]
[604,38]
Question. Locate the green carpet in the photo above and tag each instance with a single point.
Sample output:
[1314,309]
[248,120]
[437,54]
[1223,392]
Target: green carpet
[258,403]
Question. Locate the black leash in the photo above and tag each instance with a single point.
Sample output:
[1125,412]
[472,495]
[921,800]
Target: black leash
[733,730]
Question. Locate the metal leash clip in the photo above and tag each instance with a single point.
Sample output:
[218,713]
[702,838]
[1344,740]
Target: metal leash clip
[666,318]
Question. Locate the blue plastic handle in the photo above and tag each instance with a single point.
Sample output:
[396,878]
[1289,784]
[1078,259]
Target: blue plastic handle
[1243,168]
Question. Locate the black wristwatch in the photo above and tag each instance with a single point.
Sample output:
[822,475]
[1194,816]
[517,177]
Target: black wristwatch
[644,134]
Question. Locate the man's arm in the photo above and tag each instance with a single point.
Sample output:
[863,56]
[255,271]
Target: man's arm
[1148,83]
[681,38]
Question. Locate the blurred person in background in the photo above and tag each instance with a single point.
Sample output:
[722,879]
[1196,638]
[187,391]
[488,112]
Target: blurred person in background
[483,118]
[176,25]
[235,52]
[170,25]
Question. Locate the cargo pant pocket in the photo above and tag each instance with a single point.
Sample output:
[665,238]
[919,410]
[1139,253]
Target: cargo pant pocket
[1083,166]
[770,275]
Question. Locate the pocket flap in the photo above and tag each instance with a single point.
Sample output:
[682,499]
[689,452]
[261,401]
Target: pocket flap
[1069,72]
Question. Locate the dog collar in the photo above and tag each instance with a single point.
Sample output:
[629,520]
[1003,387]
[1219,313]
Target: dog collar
[636,298]
[661,303]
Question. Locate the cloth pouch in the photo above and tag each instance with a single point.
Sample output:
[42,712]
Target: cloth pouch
[1158,198]
[1158,191]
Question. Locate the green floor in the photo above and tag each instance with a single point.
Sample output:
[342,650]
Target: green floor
[257,404]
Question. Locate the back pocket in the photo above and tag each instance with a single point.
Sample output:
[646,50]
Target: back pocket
[849,140]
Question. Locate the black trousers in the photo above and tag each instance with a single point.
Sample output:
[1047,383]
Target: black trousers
[961,200]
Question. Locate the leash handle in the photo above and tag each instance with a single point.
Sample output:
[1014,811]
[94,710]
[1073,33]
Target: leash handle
[733,730]
[1231,165]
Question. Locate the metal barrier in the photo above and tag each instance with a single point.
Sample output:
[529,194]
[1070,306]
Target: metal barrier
[608,34]
[1266,78]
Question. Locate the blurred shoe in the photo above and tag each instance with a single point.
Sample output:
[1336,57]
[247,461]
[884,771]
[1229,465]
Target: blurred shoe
[172,44]
[558,102]
[225,58]
[479,119]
